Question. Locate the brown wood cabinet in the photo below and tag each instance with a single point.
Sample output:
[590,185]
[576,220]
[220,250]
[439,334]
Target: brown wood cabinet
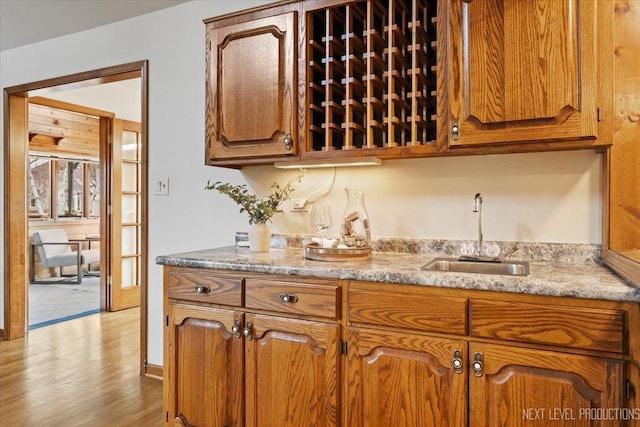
[204,367]
[291,372]
[251,88]
[529,71]
[400,79]
[266,350]
[514,387]
[270,362]
[509,360]
[399,378]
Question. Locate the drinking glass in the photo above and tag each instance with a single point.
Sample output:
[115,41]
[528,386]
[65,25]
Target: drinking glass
[321,219]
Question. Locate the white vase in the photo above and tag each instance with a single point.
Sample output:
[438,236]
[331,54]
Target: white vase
[259,238]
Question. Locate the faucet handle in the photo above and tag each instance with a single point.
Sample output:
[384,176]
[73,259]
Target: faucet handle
[467,249]
[491,249]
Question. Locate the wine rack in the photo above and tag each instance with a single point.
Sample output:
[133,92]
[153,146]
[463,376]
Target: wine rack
[371,75]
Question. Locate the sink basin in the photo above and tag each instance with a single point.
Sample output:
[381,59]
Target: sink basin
[509,268]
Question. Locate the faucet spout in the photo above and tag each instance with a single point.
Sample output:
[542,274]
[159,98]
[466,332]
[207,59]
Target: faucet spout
[477,207]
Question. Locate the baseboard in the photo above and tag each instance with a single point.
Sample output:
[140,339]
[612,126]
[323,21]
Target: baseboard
[2,338]
[153,371]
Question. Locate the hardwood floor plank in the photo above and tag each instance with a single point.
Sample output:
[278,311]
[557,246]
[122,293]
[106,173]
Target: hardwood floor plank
[84,372]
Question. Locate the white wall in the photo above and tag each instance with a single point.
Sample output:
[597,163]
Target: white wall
[121,98]
[550,197]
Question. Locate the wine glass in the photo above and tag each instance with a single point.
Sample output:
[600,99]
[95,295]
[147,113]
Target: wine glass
[321,219]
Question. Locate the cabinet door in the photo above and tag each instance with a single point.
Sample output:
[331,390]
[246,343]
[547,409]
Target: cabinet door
[519,387]
[402,379]
[522,71]
[291,372]
[204,369]
[251,88]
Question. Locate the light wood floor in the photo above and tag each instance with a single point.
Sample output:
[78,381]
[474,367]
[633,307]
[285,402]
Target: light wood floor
[84,372]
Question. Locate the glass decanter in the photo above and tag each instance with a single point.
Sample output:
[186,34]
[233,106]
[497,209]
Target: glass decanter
[355,231]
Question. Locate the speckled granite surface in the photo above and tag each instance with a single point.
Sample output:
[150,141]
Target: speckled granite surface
[557,252]
[580,279]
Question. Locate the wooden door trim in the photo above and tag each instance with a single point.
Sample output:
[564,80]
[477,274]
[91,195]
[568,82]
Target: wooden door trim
[15,214]
[15,205]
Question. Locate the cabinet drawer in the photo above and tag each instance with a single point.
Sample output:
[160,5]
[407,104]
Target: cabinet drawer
[592,329]
[201,285]
[411,307]
[313,299]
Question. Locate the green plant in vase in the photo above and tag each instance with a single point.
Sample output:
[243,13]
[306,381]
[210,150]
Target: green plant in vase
[259,209]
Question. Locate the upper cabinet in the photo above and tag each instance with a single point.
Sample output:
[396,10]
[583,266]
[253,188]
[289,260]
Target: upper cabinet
[323,79]
[251,88]
[527,71]
[371,79]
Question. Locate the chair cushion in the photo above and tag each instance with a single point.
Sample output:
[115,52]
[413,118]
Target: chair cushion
[90,256]
[62,260]
[55,235]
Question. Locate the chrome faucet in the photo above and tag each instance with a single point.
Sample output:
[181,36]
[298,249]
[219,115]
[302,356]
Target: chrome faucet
[477,207]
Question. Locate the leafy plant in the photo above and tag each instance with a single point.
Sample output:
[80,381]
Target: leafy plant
[259,209]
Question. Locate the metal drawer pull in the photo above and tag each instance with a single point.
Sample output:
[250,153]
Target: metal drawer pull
[477,364]
[288,298]
[457,361]
[202,289]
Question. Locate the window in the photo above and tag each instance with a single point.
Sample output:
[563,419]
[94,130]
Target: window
[40,187]
[63,188]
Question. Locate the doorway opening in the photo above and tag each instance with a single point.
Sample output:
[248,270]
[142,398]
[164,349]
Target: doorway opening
[122,237]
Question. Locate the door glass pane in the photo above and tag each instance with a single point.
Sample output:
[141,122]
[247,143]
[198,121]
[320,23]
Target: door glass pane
[129,240]
[94,188]
[129,272]
[39,187]
[130,145]
[129,177]
[70,176]
[129,208]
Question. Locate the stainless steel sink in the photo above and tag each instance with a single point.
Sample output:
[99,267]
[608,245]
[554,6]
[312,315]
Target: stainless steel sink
[510,268]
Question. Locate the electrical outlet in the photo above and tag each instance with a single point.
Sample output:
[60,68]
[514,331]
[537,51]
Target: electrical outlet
[298,205]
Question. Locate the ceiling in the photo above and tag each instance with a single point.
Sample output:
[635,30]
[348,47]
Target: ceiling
[24,22]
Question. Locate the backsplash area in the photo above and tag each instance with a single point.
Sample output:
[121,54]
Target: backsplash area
[529,251]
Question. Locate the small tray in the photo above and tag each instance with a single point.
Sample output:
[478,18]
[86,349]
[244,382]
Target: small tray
[318,253]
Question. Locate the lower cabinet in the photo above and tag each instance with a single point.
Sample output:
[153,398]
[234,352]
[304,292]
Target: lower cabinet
[204,368]
[517,362]
[244,349]
[405,379]
[291,368]
[233,366]
[513,387]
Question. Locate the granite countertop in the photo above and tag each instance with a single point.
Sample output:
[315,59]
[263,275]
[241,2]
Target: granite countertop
[585,279]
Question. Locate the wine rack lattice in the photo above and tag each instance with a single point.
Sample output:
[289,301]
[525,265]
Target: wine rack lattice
[372,75]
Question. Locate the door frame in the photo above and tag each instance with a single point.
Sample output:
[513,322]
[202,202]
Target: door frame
[15,100]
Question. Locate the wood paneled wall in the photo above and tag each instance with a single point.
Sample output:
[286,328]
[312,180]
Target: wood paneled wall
[59,128]
[625,152]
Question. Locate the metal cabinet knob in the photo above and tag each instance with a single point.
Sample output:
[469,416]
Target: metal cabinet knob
[455,130]
[248,331]
[288,142]
[202,289]
[456,362]
[477,364]
[235,329]
[288,298]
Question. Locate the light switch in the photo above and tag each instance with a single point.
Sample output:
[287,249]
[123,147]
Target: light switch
[162,186]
